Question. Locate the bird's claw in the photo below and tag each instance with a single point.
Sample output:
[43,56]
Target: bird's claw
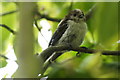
[78,54]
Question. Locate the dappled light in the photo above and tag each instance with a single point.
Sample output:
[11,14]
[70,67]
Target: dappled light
[59,40]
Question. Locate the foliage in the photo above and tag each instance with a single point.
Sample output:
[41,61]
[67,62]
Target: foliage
[102,34]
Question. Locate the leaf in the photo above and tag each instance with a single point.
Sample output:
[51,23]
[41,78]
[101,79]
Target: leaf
[68,70]
[10,21]
[3,62]
[105,24]
[91,62]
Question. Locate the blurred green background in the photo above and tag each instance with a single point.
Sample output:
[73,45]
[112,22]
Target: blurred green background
[102,34]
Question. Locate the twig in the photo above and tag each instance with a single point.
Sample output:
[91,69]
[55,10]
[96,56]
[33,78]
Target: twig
[47,17]
[3,56]
[71,5]
[8,28]
[51,19]
[91,12]
[4,14]
[39,29]
[39,15]
[88,15]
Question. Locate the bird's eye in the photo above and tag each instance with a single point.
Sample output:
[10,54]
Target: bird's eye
[81,16]
[74,14]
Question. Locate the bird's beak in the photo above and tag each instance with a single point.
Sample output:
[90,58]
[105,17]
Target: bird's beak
[84,18]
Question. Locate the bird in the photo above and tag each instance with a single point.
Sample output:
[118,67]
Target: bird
[70,31]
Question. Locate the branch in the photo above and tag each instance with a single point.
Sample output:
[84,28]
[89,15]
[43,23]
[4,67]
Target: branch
[4,14]
[8,28]
[88,15]
[50,50]
[3,56]
[25,40]
[47,17]
[91,12]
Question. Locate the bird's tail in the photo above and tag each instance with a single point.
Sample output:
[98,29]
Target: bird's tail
[55,56]
[49,62]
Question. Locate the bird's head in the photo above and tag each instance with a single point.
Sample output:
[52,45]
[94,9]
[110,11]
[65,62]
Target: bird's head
[77,15]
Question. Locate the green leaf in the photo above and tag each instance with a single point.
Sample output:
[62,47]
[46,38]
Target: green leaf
[105,24]
[10,21]
[3,63]
[68,69]
[91,62]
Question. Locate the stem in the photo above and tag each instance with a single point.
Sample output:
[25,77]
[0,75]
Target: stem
[29,65]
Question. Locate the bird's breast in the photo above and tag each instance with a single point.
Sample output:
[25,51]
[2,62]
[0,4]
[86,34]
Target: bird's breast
[74,34]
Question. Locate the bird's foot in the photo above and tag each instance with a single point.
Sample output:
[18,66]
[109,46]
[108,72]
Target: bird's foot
[78,54]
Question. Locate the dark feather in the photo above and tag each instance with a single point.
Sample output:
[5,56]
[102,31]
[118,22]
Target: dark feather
[59,32]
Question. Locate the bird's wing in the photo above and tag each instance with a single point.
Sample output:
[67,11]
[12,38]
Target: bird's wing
[58,33]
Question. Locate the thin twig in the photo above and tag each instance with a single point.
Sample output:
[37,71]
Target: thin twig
[36,24]
[91,12]
[3,56]
[51,19]
[4,14]
[40,16]
[39,29]
[8,28]
[88,15]
[71,5]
